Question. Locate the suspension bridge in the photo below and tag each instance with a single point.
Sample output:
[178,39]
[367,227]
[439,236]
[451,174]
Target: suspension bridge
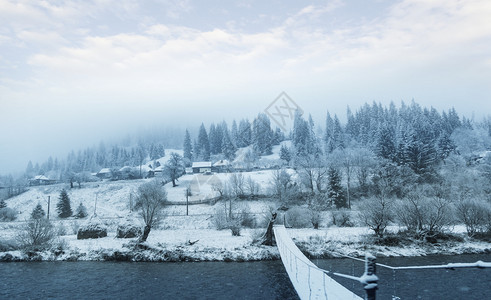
[312,282]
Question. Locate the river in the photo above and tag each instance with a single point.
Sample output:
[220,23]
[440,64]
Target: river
[231,280]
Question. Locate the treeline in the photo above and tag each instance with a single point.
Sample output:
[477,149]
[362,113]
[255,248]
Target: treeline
[220,142]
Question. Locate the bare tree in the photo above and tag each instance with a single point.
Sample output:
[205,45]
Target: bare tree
[377,213]
[151,198]
[237,181]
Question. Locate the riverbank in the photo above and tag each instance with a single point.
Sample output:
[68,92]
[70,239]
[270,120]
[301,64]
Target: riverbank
[214,245]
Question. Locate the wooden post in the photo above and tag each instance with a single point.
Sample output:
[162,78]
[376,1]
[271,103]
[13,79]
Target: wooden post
[369,279]
[49,198]
[187,201]
[268,236]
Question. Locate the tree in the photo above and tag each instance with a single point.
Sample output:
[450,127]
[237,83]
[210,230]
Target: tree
[38,212]
[151,198]
[81,211]
[228,148]
[187,149]
[262,135]
[285,154]
[37,233]
[2,204]
[203,144]
[335,189]
[377,213]
[174,167]
[63,206]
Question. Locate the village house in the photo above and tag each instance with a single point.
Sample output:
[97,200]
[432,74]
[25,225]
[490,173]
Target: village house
[41,180]
[201,166]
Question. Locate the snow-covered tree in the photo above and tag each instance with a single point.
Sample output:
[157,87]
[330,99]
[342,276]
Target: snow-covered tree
[187,149]
[335,191]
[63,206]
[81,211]
[174,167]
[203,144]
[38,212]
[285,154]
[150,201]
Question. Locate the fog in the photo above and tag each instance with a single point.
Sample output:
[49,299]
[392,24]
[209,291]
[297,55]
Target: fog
[73,74]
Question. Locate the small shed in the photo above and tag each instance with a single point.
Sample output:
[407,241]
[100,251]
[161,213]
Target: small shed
[201,166]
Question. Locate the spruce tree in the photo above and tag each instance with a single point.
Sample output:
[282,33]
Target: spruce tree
[335,191]
[63,207]
[38,212]
[2,204]
[187,149]
[285,154]
[81,211]
[203,144]
[228,148]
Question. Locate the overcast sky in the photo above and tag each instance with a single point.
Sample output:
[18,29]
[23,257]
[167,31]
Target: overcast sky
[75,72]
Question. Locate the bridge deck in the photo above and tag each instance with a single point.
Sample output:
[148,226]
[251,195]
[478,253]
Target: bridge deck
[309,281]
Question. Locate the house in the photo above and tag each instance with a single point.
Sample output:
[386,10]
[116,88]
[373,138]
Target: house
[105,173]
[41,180]
[201,166]
[221,166]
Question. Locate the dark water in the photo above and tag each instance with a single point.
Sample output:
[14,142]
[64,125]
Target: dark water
[419,284]
[218,280]
[109,280]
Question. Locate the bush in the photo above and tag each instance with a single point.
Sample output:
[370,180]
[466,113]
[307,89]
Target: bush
[315,218]
[424,214]
[223,220]
[342,218]
[376,213]
[7,214]
[298,217]
[37,233]
[476,216]
[93,229]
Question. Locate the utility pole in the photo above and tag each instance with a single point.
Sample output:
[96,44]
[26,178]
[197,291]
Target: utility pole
[95,206]
[49,200]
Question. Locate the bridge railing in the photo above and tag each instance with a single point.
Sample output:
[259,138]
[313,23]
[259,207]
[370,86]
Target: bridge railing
[309,281]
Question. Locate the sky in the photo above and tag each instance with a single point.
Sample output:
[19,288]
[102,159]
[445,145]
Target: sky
[75,72]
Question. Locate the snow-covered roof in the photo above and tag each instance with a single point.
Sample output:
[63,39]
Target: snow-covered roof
[40,177]
[221,163]
[202,164]
[104,171]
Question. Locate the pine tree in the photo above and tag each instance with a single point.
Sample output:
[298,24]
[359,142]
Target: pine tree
[228,148]
[244,137]
[234,133]
[262,135]
[203,144]
[335,191]
[187,149]
[81,211]
[63,206]
[2,204]
[285,154]
[212,134]
[38,212]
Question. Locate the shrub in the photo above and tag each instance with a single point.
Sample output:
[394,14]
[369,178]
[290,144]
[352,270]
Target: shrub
[342,218]
[315,218]
[37,233]
[376,213]
[7,214]
[298,217]
[424,214]
[476,216]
